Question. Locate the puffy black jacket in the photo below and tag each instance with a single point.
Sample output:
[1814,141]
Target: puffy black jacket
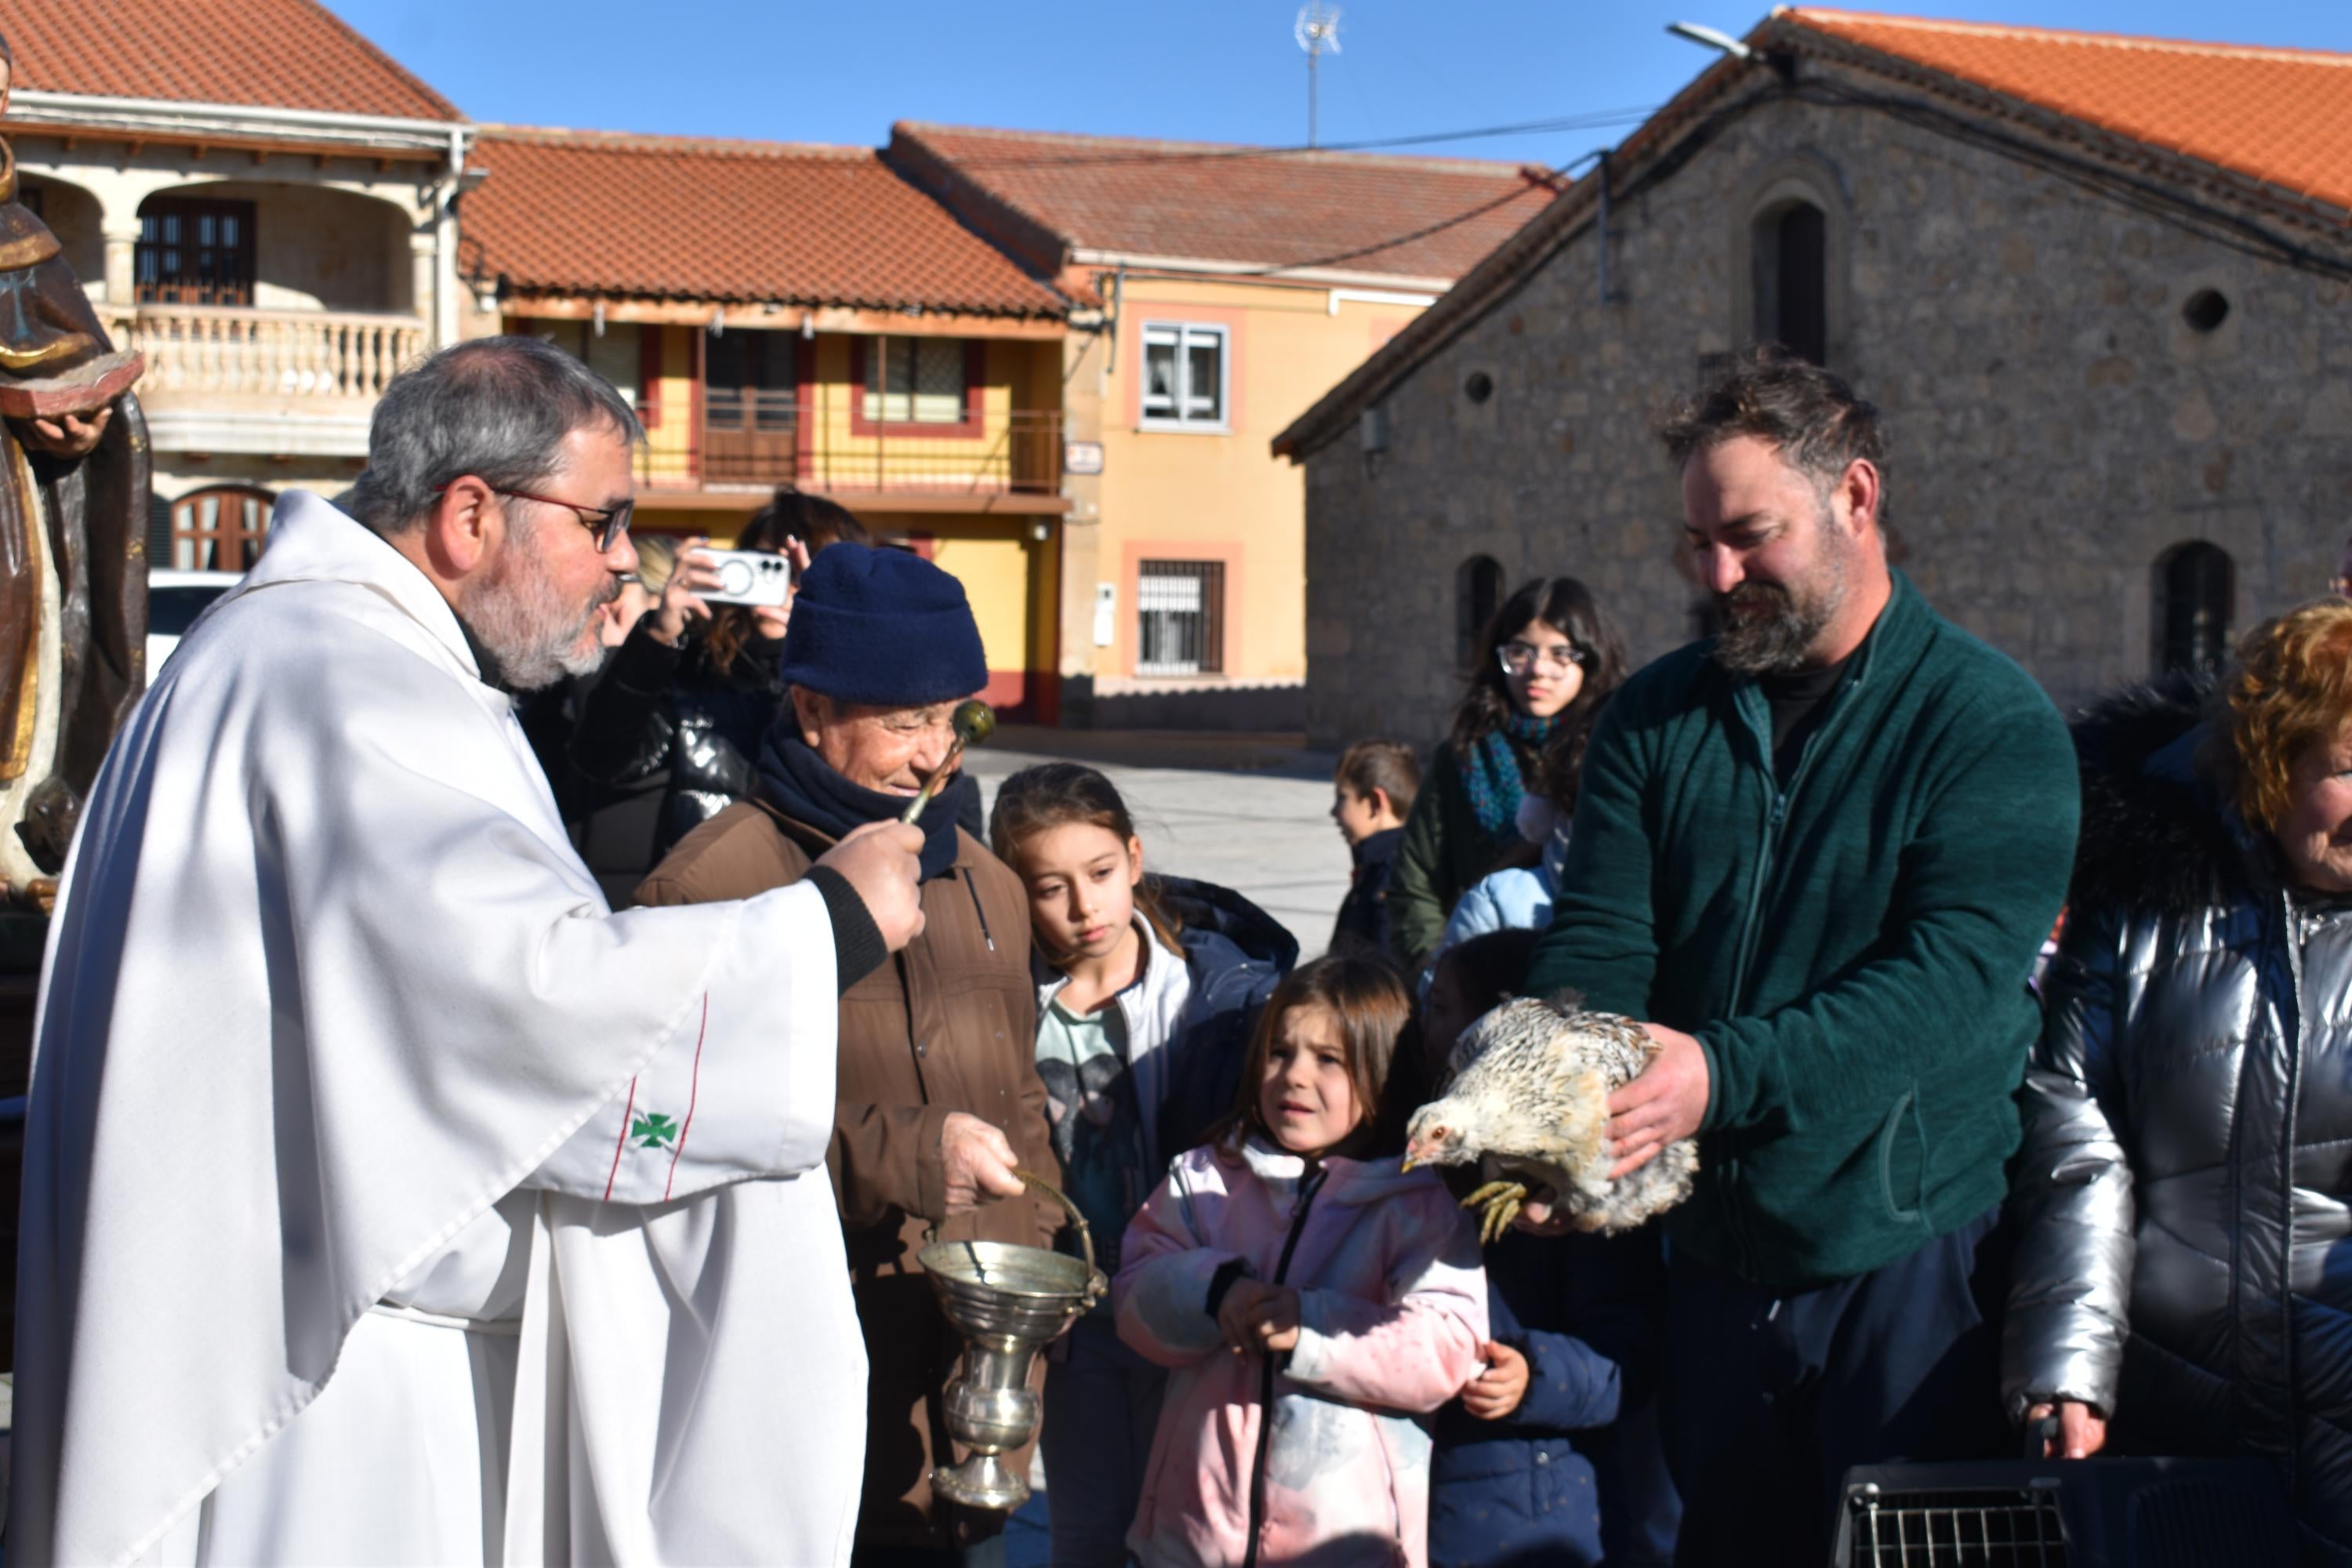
[1364,912]
[662,708]
[1237,954]
[2183,1261]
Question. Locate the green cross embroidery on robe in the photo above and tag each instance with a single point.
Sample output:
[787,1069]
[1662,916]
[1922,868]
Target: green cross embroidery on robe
[653,1132]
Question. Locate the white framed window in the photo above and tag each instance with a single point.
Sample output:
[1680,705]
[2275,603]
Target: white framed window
[1184,375]
[1180,617]
[914,381]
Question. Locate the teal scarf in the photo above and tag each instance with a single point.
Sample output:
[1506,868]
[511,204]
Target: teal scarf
[1490,771]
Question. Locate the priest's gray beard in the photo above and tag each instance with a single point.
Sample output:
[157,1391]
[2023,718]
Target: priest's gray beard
[1768,627]
[523,628]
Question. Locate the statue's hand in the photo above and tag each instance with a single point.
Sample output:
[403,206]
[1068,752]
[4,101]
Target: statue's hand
[50,812]
[71,437]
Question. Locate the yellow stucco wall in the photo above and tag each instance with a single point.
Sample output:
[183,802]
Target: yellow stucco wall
[1187,495]
[1012,577]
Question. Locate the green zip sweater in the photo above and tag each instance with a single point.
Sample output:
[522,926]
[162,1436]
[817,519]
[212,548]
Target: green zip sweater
[1851,953]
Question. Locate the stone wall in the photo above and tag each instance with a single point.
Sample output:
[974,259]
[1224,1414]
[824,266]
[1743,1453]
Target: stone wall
[2058,426]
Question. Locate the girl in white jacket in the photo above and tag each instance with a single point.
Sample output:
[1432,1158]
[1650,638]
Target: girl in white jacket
[1147,989]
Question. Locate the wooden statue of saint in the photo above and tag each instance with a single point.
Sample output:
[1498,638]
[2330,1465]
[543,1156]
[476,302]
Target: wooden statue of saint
[74,499]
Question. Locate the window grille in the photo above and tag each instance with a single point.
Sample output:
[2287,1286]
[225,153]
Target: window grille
[1184,375]
[915,381]
[1180,618]
[617,353]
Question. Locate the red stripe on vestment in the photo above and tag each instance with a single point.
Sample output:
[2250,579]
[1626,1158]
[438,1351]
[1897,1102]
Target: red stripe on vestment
[693,1091]
[610,1175]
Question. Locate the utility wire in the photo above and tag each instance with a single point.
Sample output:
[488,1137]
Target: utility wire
[1481,210]
[1593,121]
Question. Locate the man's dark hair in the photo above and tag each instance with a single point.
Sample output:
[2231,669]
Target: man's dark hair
[499,408]
[1777,395]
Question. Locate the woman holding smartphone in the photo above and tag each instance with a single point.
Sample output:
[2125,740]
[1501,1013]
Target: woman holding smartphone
[694,685]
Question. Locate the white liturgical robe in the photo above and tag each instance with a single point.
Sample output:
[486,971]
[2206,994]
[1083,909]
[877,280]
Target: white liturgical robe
[387,1197]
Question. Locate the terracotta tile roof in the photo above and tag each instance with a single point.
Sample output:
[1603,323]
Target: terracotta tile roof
[281,54]
[596,213]
[2280,115]
[1207,201]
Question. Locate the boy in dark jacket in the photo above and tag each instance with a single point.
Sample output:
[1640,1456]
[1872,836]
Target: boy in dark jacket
[1372,793]
[1551,1457]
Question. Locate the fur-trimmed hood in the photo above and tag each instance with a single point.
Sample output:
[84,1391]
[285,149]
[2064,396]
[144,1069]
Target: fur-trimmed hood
[2156,831]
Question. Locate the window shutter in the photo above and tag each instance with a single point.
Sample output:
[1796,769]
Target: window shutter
[649,370]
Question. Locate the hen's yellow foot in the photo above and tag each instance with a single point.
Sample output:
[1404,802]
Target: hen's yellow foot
[1501,1201]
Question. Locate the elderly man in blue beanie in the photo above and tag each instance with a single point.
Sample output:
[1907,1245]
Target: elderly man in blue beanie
[939,1090]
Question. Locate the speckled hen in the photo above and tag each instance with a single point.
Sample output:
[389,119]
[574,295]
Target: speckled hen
[1528,1094]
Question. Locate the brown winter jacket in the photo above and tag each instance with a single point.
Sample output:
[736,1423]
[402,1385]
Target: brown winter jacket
[948,1025]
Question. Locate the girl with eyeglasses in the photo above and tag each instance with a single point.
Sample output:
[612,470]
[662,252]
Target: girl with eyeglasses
[1507,774]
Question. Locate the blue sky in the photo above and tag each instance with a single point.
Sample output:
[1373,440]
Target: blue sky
[1223,70]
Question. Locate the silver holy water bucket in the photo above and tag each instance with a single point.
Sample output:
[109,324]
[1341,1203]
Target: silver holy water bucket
[1008,1303]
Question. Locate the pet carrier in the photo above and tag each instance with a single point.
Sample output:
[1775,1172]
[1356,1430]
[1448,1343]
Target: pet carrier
[2067,1513]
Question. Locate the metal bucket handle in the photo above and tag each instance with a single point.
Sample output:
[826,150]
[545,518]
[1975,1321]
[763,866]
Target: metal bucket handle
[1085,1236]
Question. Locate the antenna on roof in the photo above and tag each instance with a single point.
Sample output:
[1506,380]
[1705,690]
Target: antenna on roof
[1318,29]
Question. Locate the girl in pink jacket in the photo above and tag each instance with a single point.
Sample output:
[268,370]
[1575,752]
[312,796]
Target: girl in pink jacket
[1309,1298]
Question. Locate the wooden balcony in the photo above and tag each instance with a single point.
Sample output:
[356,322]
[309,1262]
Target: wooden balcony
[752,440]
[227,379]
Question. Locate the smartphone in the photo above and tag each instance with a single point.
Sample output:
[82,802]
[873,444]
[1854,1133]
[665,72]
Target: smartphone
[749,577]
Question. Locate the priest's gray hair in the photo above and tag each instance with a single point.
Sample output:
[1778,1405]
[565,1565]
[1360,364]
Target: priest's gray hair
[498,408]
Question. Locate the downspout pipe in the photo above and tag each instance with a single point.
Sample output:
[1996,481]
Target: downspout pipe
[444,241]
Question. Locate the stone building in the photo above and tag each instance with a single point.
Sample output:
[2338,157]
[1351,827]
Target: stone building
[2101,288]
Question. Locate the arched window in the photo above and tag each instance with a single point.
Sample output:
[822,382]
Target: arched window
[1477,595]
[220,528]
[2195,585]
[1790,256]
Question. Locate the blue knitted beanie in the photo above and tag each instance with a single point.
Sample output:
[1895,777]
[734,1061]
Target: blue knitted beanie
[883,627]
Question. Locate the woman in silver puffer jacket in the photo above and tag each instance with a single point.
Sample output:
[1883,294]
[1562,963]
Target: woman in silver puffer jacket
[2183,1283]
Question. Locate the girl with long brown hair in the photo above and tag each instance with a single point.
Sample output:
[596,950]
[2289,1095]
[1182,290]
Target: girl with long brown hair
[1147,989]
[1546,663]
[1309,1296]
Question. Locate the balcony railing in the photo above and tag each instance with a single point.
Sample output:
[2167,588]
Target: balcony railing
[229,352]
[753,437]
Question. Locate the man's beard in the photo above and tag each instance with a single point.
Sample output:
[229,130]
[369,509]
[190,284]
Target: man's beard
[1768,629]
[524,635]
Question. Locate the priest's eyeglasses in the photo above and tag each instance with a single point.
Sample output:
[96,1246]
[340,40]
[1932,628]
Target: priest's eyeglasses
[1518,658]
[606,524]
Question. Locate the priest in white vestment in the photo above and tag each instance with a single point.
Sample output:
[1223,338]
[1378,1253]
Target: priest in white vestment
[387,1197]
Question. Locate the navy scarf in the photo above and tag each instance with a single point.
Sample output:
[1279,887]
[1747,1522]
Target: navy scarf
[803,786]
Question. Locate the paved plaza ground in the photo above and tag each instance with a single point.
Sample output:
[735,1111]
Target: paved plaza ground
[1249,811]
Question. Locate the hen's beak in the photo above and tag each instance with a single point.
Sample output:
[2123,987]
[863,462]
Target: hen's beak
[1410,1162]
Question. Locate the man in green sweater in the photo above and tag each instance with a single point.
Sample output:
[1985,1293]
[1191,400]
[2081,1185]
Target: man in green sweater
[1818,854]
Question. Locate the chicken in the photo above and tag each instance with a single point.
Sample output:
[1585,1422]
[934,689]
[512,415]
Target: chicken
[1528,1093]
